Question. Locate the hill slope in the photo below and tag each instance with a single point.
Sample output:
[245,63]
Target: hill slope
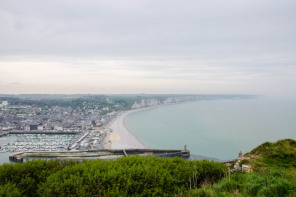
[277,156]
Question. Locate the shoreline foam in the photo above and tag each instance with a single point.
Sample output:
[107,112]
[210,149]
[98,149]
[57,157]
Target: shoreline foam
[120,135]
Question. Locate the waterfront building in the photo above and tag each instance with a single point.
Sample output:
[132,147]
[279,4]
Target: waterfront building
[33,127]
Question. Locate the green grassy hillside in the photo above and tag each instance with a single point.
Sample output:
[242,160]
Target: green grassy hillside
[277,156]
[273,167]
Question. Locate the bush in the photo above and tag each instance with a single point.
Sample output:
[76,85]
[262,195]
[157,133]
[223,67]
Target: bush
[9,190]
[130,176]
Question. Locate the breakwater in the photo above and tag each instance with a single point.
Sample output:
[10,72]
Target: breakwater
[96,154]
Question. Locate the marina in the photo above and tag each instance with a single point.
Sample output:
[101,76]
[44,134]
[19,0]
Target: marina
[49,143]
[39,142]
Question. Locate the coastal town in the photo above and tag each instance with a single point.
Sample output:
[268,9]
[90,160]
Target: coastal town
[51,119]
[32,124]
[77,123]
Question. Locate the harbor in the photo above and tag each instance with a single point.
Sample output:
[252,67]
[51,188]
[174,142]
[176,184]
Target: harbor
[52,142]
[38,142]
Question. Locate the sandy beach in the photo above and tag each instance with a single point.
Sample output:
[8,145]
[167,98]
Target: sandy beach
[120,136]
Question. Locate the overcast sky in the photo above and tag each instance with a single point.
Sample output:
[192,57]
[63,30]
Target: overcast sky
[148,46]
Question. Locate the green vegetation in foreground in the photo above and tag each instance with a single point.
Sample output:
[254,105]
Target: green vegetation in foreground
[130,176]
[273,174]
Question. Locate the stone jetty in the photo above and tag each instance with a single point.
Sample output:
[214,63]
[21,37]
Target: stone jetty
[96,154]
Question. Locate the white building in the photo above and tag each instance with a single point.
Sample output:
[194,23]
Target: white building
[4,103]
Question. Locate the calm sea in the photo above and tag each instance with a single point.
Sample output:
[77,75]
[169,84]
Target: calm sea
[216,128]
[4,157]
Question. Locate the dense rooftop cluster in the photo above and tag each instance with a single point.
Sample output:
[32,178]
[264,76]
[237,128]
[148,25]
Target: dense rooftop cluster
[52,118]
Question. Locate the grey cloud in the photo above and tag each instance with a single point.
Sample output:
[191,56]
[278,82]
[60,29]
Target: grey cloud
[150,27]
[164,38]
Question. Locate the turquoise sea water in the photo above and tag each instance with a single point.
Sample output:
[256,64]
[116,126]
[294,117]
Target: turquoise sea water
[4,156]
[216,128]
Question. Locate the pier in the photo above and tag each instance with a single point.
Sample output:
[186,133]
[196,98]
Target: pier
[77,143]
[106,154]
